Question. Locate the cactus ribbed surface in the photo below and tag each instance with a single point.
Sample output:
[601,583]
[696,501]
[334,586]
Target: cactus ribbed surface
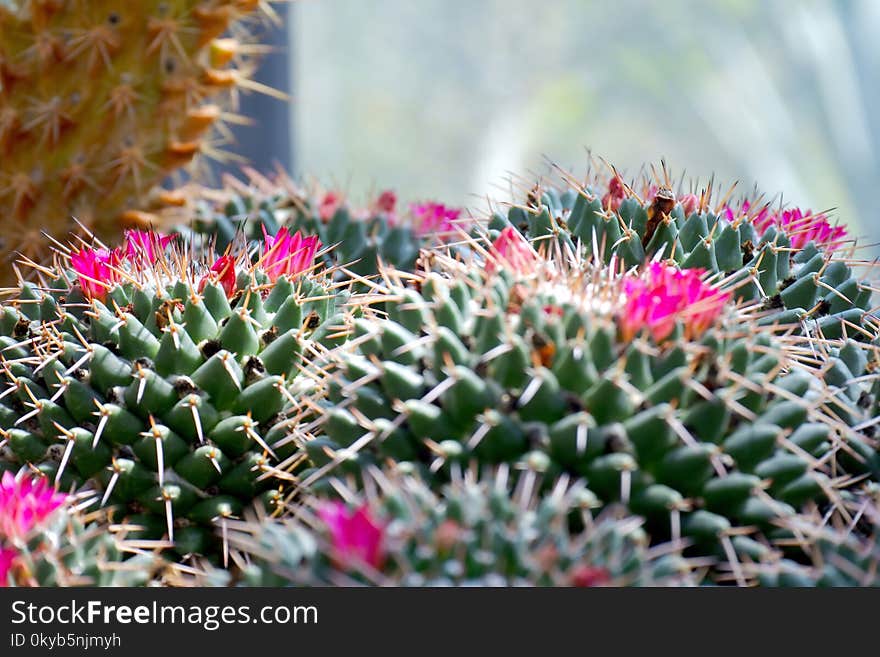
[471,532]
[653,385]
[168,390]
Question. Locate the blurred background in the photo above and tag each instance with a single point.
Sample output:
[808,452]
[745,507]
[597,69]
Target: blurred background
[443,98]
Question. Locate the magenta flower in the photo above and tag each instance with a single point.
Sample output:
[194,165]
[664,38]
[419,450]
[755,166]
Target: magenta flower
[142,247]
[661,296]
[331,202]
[357,537]
[25,503]
[7,561]
[223,272]
[434,218]
[511,250]
[96,270]
[288,254]
[801,227]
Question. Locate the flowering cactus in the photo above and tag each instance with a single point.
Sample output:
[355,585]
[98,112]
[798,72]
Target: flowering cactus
[652,383]
[222,272]
[360,237]
[162,382]
[475,531]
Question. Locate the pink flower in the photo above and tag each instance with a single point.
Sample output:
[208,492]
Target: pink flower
[25,503]
[662,295]
[7,561]
[223,272]
[615,195]
[512,250]
[288,254]
[689,203]
[142,247]
[434,218]
[801,227]
[356,536]
[96,270]
[331,202]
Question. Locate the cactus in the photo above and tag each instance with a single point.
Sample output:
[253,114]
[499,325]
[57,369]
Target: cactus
[840,554]
[99,104]
[162,382]
[475,531]
[652,384]
[361,236]
[46,540]
[797,265]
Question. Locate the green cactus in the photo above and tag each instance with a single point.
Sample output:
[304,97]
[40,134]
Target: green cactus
[796,264]
[839,554]
[717,426]
[168,392]
[471,532]
[361,236]
[74,549]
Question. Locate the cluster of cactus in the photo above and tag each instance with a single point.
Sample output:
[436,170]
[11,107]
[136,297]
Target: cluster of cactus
[100,102]
[161,381]
[700,378]
[666,391]
[362,237]
[474,531]
[794,263]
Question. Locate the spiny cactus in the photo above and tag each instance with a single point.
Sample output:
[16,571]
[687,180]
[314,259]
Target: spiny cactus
[797,265]
[361,236]
[100,102]
[841,552]
[475,531]
[162,382]
[45,540]
[652,384]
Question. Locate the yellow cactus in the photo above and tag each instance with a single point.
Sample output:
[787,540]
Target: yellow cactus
[101,100]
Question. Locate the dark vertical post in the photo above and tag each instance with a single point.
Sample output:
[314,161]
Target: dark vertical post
[268,140]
